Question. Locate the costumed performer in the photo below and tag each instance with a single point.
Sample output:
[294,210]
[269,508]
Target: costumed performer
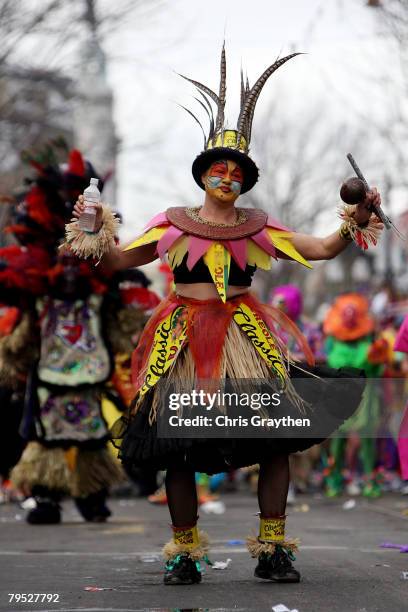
[351,341]
[58,353]
[213,328]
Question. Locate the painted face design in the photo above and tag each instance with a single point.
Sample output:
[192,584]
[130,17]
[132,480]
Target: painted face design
[223,180]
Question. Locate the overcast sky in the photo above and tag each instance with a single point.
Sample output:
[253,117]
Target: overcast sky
[159,140]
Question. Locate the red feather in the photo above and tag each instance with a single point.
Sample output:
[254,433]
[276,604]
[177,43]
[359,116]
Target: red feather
[9,316]
[76,163]
[24,268]
[37,207]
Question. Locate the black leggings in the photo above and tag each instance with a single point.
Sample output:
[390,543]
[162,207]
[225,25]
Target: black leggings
[273,486]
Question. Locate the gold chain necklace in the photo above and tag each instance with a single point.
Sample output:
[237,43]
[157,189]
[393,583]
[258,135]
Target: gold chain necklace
[193,213]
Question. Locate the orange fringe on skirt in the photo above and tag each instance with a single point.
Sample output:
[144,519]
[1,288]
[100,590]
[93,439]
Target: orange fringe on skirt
[215,347]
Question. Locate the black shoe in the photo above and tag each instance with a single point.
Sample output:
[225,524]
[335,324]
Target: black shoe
[182,570]
[47,512]
[93,507]
[277,567]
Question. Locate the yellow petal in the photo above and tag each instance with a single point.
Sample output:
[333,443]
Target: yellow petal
[178,251]
[153,235]
[278,233]
[286,246]
[257,256]
[218,260]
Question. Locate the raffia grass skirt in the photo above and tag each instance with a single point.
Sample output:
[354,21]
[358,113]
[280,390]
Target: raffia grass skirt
[136,434]
[239,361]
[77,472]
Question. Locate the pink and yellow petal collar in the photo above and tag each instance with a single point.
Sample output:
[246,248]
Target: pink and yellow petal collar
[259,240]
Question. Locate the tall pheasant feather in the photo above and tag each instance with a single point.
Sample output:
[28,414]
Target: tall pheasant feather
[211,113]
[246,116]
[219,124]
[196,120]
[202,87]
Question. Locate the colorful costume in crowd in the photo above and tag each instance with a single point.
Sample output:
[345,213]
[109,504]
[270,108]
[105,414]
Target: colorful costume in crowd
[196,344]
[289,299]
[401,345]
[58,353]
[125,321]
[351,342]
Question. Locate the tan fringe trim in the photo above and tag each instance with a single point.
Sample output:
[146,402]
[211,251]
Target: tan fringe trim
[122,327]
[239,361]
[256,547]
[42,466]
[95,470]
[96,245]
[370,233]
[171,550]
[18,352]
[48,467]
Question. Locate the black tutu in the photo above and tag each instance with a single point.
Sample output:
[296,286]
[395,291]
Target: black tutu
[330,401]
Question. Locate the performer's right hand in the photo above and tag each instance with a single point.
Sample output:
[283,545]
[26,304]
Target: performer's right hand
[79,209]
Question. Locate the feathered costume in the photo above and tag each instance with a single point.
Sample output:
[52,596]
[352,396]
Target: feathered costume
[66,316]
[187,341]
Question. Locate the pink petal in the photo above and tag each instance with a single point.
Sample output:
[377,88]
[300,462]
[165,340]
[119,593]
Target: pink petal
[160,219]
[198,247]
[263,241]
[168,239]
[271,222]
[238,250]
[401,341]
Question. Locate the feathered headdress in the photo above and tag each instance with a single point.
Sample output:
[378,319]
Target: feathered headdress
[221,141]
[47,203]
[39,217]
[22,269]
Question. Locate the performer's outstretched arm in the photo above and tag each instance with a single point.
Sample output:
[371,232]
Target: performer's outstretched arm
[314,249]
[116,259]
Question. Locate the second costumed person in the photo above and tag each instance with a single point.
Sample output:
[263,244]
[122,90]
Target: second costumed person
[212,328]
[61,346]
[351,341]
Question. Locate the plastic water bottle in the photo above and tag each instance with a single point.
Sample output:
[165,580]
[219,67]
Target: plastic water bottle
[92,196]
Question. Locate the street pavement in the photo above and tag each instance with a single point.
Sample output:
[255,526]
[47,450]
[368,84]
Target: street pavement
[343,567]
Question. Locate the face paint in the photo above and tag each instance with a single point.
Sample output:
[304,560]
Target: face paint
[219,168]
[213,182]
[223,180]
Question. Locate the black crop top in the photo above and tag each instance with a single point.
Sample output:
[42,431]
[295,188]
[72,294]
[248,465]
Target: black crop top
[201,274]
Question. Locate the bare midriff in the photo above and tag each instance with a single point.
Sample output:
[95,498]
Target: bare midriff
[206,291]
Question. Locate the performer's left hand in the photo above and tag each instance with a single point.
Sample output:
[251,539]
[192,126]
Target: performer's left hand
[363,210]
